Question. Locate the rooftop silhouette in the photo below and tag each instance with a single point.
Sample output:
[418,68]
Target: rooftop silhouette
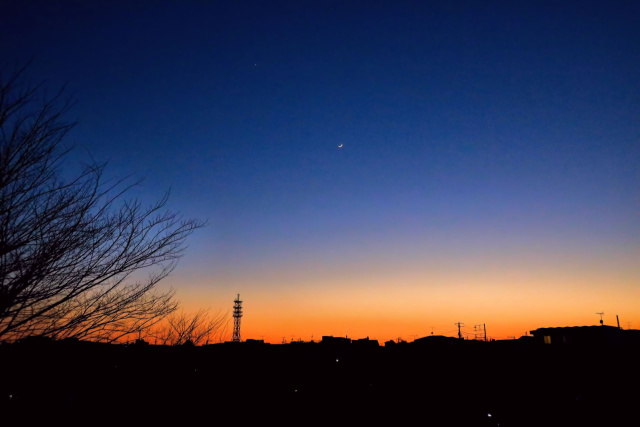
[534,380]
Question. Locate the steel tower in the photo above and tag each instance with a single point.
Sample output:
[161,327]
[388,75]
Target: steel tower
[237,314]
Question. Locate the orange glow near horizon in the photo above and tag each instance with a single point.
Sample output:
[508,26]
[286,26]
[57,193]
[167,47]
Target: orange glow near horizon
[510,302]
[393,284]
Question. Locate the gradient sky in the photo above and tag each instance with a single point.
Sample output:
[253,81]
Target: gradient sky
[489,174]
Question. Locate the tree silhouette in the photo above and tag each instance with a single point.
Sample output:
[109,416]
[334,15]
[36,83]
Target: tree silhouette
[201,327]
[69,247]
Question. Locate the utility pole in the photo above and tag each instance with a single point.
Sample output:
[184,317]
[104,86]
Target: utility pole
[484,325]
[460,324]
[478,329]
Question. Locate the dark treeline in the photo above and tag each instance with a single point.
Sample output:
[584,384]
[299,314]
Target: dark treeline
[513,383]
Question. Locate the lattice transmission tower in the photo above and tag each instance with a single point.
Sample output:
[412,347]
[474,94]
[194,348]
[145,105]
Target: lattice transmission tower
[237,314]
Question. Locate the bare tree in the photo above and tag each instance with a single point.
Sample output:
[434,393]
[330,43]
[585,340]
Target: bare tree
[69,248]
[197,328]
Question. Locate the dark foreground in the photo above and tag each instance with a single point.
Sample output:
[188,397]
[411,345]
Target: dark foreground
[467,384]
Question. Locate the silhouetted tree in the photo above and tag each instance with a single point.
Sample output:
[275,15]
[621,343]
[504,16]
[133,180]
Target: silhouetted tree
[69,247]
[197,328]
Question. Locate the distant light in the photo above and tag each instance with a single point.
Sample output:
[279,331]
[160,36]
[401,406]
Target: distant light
[337,360]
[489,415]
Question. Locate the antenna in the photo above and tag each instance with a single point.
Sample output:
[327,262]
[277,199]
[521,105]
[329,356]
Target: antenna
[237,314]
[601,314]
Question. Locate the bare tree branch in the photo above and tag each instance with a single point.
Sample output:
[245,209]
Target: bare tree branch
[199,328]
[69,248]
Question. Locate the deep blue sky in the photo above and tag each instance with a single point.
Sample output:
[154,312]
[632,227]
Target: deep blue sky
[475,133]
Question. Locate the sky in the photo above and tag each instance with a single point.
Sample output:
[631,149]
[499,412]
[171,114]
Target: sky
[379,169]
